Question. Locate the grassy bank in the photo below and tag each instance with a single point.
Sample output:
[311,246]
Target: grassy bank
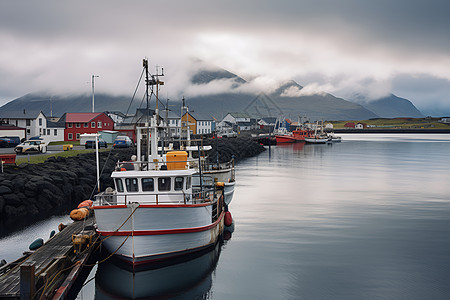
[36,159]
[401,123]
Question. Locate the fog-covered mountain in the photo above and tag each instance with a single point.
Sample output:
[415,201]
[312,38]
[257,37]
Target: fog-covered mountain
[290,100]
[392,107]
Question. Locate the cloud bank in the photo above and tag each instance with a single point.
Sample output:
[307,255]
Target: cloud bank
[342,47]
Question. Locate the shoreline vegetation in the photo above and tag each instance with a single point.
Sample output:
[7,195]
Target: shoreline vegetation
[30,192]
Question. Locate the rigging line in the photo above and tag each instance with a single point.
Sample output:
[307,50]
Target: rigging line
[98,237]
[135,91]
[101,173]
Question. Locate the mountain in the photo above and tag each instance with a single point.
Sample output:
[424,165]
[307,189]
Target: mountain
[57,105]
[281,102]
[393,107]
[290,100]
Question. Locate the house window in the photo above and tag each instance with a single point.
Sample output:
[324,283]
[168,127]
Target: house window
[43,132]
[28,122]
[55,132]
[48,131]
[78,136]
[92,124]
[78,125]
[70,136]
[86,125]
[69,125]
[99,124]
[164,184]
[40,121]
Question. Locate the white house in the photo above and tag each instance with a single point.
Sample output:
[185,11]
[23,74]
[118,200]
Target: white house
[205,125]
[34,122]
[54,132]
[236,117]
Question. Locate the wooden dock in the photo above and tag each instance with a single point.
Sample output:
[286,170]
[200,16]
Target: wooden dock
[46,271]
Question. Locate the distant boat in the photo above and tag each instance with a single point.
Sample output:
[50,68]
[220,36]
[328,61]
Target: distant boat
[334,138]
[319,136]
[297,135]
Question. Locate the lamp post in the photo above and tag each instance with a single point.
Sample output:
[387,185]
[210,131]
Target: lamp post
[93,76]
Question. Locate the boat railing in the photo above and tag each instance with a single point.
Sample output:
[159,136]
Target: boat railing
[133,165]
[198,196]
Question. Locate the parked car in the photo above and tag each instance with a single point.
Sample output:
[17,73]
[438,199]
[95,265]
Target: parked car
[4,142]
[122,142]
[9,141]
[91,144]
[31,146]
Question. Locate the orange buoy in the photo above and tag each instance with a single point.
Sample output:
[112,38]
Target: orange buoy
[85,203]
[79,214]
[228,219]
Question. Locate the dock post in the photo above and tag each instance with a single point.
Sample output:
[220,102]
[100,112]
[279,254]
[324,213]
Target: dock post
[27,283]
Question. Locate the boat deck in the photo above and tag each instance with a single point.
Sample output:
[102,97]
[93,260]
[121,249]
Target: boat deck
[49,261]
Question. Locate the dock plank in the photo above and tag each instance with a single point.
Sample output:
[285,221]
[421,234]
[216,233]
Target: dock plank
[58,246]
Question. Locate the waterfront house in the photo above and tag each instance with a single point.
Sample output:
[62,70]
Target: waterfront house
[12,130]
[79,123]
[349,125]
[34,122]
[361,125]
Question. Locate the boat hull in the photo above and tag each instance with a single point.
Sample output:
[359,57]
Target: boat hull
[285,139]
[317,140]
[153,233]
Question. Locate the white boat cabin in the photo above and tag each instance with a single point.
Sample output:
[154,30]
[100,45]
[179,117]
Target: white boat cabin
[153,187]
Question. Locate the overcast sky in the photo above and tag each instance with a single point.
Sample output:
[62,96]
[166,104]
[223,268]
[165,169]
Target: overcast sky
[337,46]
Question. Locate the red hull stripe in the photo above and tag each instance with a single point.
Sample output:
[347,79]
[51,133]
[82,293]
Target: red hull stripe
[160,232]
[152,206]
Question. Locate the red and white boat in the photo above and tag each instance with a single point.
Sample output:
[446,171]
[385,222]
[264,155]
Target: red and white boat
[297,135]
[156,211]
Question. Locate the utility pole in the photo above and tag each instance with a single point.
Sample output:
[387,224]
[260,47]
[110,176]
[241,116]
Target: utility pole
[93,76]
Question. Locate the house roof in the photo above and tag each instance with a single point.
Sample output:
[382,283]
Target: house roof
[239,115]
[10,127]
[80,117]
[58,124]
[20,114]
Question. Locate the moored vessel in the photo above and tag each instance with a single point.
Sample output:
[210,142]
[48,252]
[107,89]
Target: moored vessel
[163,204]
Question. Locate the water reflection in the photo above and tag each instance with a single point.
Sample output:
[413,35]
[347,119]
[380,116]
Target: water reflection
[189,278]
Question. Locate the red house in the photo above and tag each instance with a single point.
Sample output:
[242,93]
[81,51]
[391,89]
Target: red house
[349,125]
[79,123]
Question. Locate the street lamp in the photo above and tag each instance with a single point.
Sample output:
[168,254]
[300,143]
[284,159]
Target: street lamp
[93,76]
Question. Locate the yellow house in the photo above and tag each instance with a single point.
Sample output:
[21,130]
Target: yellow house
[188,119]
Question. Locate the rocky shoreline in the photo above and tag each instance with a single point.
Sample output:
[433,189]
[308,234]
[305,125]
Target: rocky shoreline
[30,192]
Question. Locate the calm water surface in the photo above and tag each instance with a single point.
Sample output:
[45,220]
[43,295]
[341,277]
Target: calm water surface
[368,218]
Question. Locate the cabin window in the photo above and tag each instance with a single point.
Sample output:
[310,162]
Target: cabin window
[188,183]
[131,184]
[164,184]
[86,125]
[179,183]
[147,184]
[92,124]
[119,185]
[99,124]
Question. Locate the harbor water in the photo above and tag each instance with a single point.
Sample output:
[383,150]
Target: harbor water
[367,218]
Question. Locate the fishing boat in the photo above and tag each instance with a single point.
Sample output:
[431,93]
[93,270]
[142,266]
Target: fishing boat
[297,135]
[334,138]
[319,136]
[162,206]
